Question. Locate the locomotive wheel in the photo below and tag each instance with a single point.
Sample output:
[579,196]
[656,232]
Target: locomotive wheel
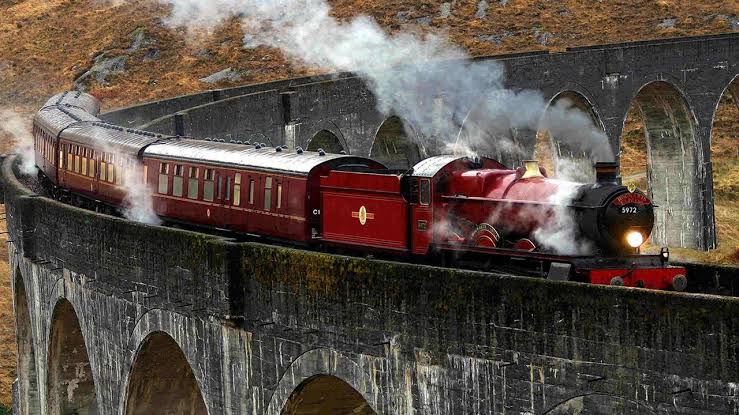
[618,281]
[485,236]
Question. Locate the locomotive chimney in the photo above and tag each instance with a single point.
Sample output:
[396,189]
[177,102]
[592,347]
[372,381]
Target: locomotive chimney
[607,172]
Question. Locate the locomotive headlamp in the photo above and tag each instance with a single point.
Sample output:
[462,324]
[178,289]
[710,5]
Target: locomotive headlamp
[634,239]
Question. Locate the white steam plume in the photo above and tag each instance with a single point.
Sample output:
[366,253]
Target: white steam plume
[138,204]
[559,232]
[408,74]
[17,128]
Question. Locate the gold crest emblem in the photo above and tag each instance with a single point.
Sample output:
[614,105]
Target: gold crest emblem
[631,187]
[363,215]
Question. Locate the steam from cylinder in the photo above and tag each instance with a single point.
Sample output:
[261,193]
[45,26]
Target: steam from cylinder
[17,129]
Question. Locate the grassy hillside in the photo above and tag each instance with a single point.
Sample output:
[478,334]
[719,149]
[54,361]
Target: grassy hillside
[125,54]
[46,45]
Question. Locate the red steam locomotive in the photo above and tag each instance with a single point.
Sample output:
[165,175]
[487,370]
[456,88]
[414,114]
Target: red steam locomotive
[448,209]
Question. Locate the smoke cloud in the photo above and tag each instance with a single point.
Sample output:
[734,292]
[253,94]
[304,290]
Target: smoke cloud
[17,128]
[409,74]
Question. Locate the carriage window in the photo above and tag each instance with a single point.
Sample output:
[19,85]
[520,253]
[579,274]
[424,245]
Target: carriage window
[192,184]
[178,180]
[111,168]
[279,195]
[119,171]
[425,195]
[164,179]
[268,193]
[209,185]
[77,159]
[70,163]
[91,170]
[61,156]
[83,163]
[228,188]
[103,167]
[237,189]
[251,192]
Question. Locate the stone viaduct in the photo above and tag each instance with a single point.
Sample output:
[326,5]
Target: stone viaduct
[115,317]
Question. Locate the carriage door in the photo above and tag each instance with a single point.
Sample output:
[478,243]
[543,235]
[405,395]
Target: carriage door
[421,224]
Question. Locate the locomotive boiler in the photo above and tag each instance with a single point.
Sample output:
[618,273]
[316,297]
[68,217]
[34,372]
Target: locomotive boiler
[453,210]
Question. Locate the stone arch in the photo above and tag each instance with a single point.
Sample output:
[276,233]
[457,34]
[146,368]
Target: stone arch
[161,377]
[327,141]
[733,90]
[71,387]
[724,154]
[395,144]
[326,394]
[598,404]
[672,175]
[28,386]
[570,135]
[325,367]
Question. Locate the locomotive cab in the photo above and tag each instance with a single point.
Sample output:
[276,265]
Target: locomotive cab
[424,187]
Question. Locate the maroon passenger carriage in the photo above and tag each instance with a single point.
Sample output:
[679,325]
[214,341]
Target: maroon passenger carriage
[249,189]
[445,209]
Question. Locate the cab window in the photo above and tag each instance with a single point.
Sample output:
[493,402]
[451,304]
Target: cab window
[425,192]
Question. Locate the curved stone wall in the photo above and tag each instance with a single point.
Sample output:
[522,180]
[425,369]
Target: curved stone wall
[256,324]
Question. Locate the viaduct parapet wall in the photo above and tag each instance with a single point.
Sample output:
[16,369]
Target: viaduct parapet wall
[116,317]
